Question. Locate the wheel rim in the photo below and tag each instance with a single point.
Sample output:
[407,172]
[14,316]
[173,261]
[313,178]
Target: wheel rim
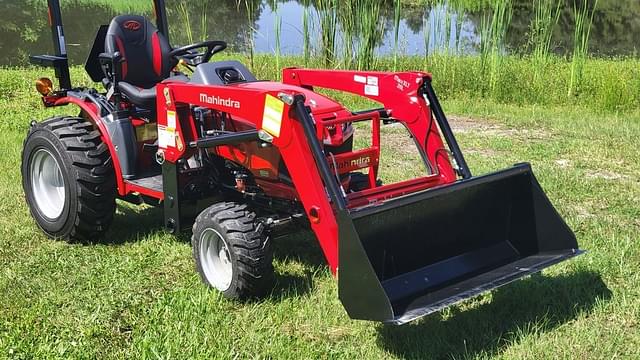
[215,259]
[47,184]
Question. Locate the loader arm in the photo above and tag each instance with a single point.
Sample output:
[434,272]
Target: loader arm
[402,95]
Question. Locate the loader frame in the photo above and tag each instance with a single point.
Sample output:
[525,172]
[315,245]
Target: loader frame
[300,143]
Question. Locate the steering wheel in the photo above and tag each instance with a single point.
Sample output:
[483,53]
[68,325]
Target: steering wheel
[195,58]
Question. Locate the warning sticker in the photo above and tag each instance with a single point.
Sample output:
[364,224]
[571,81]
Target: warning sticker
[171,119]
[272,117]
[147,132]
[371,90]
[360,79]
[372,80]
[166,137]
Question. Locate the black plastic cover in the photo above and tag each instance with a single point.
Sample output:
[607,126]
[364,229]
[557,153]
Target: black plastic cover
[221,73]
[92,65]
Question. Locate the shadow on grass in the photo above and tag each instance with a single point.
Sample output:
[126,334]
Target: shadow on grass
[301,247]
[534,305]
[133,224]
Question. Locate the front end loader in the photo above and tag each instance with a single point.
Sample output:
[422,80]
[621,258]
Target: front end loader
[237,160]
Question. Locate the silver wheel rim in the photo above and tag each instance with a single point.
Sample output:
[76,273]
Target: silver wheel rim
[47,184]
[215,259]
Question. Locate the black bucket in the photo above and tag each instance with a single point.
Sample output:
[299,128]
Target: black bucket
[418,254]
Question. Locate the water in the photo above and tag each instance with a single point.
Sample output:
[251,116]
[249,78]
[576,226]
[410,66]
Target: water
[24,29]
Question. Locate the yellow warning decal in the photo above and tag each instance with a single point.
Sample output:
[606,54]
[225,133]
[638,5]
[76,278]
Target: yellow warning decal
[147,132]
[272,118]
[171,119]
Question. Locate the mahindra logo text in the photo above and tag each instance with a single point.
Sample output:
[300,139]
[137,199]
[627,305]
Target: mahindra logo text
[359,163]
[216,100]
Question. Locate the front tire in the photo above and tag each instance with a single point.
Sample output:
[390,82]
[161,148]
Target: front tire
[231,251]
[68,179]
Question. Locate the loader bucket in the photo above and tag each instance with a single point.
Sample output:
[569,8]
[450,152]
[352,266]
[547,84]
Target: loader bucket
[418,254]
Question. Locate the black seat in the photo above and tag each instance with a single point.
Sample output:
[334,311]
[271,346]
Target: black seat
[146,58]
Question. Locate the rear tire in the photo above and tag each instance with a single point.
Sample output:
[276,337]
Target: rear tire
[231,251]
[68,179]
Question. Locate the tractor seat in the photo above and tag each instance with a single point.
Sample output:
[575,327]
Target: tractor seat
[146,59]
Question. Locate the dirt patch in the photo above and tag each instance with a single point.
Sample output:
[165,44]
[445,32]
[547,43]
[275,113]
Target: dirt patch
[483,152]
[468,125]
[582,212]
[563,163]
[607,175]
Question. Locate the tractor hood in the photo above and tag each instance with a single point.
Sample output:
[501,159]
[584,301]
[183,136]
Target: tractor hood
[319,104]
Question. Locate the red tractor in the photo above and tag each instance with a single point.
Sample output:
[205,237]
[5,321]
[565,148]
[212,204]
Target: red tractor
[244,157]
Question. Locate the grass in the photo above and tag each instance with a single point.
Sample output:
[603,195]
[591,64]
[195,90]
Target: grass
[397,14]
[493,35]
[306,32]
[328,23]
[547,14]
[610,85]
[137,296]
[583,16]
[370,30]
[250,7]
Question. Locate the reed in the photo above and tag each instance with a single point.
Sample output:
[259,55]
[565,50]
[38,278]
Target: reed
[306,33]
[370,31]
[204,36]
[493,31]
[184,14]
[348,11]
[277,29]
[328,14]
[397,13]
[442,28]
[250,7]
[546,16]
[584,20]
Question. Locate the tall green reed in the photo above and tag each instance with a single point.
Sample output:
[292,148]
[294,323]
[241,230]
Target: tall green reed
[250,7]
[370,30]
[348,18]
[328,13]
[204,36]
[493,30]
[546,16]
[443,27]
[306,33]
[397,13]
[277,29]
[584,20]
[184,14]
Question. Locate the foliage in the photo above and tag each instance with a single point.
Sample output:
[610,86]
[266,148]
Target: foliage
[547,14]
[610,85]
[493,33]
[584,20]
[328,13]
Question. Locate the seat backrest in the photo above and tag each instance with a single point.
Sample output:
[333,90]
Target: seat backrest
[145,51]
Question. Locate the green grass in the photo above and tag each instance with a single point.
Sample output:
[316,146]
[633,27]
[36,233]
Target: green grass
[141,6]
[609,85]
[137,295]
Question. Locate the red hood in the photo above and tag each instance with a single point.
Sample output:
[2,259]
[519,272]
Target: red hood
[320,104]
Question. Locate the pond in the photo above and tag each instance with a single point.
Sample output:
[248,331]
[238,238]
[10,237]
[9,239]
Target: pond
[423,29]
